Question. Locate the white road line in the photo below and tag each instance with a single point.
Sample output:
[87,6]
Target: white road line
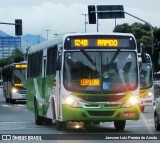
[5,105]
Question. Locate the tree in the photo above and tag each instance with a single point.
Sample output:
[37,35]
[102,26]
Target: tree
[16,56]
[142,33]
[123,28]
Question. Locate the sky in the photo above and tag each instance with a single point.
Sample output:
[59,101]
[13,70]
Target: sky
[61,16]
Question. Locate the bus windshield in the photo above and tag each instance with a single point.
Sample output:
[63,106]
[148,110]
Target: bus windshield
[145,75]
[19,78]
[107,74]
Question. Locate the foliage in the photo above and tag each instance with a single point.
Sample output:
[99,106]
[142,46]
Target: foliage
[142,33]
[16,56]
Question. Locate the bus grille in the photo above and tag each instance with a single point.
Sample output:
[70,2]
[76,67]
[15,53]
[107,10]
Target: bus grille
[101,98]
[101,113]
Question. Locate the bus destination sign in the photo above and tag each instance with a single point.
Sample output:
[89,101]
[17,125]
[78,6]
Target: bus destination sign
[20,66]
[93,42]
[98,42]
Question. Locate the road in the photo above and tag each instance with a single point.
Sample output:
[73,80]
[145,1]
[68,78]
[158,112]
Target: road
[17,119]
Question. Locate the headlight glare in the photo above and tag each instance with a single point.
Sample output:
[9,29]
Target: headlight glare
[133,100]
[70,100]
[14,90]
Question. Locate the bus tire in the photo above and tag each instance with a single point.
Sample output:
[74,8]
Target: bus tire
[142,108]
[156,122]
[38,119]
[96,123]
[53,113]
[7,100]
[120,125]
[61,125]
[87,123]
[48,121]
[12,101]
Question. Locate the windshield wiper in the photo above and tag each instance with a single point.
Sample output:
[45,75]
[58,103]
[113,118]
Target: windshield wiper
[113,58]
[88,57]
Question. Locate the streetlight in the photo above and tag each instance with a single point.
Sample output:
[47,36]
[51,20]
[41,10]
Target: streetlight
[85,23]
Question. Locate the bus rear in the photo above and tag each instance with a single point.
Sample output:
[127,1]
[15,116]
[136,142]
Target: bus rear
[100,79]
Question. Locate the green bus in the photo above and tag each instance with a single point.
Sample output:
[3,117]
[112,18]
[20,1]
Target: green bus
[88,78]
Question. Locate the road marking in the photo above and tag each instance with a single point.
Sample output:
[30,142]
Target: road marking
[21,105]
[18,125]
[5,105]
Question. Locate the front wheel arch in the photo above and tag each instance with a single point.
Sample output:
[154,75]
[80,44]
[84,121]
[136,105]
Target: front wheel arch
[38,119]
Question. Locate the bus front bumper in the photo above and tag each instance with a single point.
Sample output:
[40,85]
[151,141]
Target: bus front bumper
[99,114]
[18,96]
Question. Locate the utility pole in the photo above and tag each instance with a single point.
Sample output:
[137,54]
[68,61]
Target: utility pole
[47,33]
[38,39]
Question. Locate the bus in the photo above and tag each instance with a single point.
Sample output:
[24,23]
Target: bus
[146,81]
[84,78]
[1,80]
[14,82]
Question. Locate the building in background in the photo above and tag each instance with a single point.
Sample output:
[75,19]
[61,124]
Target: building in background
[8,44]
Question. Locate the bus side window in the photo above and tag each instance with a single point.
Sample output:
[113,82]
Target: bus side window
[51,60]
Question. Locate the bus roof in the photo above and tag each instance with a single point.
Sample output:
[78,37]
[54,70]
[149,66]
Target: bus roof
[58,40]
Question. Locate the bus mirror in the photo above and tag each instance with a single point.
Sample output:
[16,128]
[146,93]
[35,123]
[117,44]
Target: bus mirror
[58,62]
[145,58]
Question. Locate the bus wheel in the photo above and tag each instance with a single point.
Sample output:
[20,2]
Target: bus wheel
[96,123]
[53,113]
[87,123]
[38,119]
[48,121]
[120,125]
[142,108]
[156,122]
[12,101]
[7,100]
[60,125]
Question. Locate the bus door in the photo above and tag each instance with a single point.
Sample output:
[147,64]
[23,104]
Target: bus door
[44,59]
[58,79]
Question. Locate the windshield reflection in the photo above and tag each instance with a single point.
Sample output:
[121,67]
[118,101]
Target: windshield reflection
[19,76]
[145,75]
[81,75]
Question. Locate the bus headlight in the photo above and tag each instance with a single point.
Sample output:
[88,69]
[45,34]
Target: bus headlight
[14,90]
[150,94]
[131,102]
[70,100]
